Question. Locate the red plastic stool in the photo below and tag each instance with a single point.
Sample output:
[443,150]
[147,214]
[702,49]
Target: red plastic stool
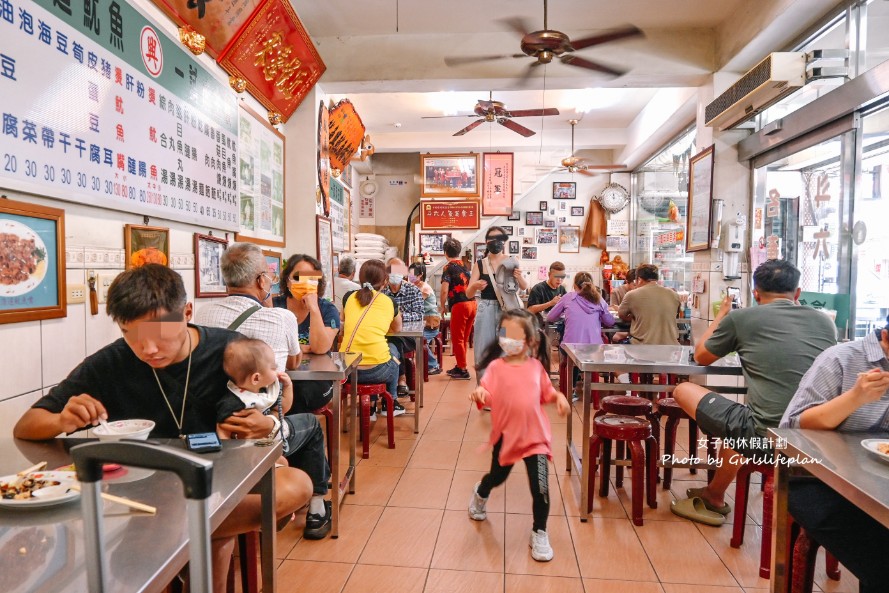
[365,390]
[742,487]
[801,567]
[674,413]
[410,372]
[444,329]
[633,431]
[563,380]
[628,405]
[439,349]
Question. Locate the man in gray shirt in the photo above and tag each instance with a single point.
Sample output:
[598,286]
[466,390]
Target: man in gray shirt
[776,341]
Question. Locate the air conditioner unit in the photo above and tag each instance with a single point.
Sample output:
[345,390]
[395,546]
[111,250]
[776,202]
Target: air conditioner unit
[778,75]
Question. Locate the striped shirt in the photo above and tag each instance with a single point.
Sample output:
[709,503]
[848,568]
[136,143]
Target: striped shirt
[835,372]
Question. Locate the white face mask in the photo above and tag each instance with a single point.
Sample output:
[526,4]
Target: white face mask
[511,347]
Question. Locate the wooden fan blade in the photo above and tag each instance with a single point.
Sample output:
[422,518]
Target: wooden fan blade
[612,35]
[517,128]
[517,24]
[604,167]
[533,112]
[573,60]
[523,81]
[586,173]
[470,127]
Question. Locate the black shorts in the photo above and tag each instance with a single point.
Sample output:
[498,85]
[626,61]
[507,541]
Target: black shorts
[732,422]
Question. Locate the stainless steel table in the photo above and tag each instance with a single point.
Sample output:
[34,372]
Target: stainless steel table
[617,358]
[42,550]
[838,460]
[414,329]
[335,367]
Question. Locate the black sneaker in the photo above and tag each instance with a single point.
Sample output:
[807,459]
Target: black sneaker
[318,526]
[435,371]
[402,390]
[461,374]
[451,372]
[397,408]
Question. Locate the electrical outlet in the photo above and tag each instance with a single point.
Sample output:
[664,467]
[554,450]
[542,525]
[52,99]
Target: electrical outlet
[103,282]
[76,294]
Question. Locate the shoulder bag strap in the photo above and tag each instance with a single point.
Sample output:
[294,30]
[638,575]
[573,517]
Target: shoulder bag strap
[360,319]
[490,272]
[243,317]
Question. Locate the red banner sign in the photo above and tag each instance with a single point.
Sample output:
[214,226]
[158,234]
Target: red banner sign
[497,184]
[346,134]
[275,55]
[450,214]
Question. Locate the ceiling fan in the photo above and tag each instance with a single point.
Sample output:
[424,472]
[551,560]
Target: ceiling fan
[574,164]
[495,111]
[545,45]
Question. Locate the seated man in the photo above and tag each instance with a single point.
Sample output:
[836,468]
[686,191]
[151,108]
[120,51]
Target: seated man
[651,309]
[847,389]
[776,342]
[169,371]
[547,294]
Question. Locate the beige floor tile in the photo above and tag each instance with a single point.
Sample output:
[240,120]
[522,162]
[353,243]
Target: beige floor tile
[356,525]
[518,492]
[464,544]
[295,576]
[374,484]
[432,454]
[459,581]
[445,430]
[521,583]
[474,456]
[602,507]
[461,491]
[680,554]
[610,549]
[422,488]
[287,539]
[456,409]
[403,537]
[847,583]
[478,427]
[609,586]
[684,588]
[742,562]
[386,579]
[381,454]
[518,552]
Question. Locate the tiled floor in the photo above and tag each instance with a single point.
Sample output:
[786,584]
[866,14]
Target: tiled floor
[406,528]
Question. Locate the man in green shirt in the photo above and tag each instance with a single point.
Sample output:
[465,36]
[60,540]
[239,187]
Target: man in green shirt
[776,341]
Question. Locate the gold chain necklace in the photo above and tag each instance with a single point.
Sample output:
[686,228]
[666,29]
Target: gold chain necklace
[181,419]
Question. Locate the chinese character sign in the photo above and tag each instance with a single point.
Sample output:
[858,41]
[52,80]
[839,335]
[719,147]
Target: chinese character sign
[219,22]
[497,184]
[449,214]
[137,125]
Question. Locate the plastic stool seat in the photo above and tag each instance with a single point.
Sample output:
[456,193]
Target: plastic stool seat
[621,428]
[626,405]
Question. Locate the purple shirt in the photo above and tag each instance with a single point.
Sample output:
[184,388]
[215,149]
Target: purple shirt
[583,320]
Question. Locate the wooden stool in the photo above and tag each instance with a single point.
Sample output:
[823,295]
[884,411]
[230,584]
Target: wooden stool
[674,413]
[365,390]
[628,405]
[633,431]
[803,551]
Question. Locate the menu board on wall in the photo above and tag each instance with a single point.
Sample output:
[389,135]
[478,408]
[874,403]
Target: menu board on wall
[101,108]
[339,215]
[451,214]
[261,174]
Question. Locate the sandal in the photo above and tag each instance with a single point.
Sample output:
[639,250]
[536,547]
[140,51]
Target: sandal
[695,510]
[725,509]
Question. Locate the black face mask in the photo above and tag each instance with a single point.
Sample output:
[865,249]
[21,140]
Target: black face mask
[495,246]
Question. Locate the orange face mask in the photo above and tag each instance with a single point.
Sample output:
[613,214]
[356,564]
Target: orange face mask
[300,288]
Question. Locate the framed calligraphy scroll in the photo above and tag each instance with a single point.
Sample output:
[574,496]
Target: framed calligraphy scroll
[276,57]
[497,185]
[450,214]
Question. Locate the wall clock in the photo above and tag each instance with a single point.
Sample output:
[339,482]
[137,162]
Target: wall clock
[614,198]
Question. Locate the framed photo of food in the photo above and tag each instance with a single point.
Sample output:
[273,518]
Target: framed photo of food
[32,275]
[450,175]
[146,245]
[208,266]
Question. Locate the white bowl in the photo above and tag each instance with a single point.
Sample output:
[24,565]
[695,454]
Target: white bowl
[124,429]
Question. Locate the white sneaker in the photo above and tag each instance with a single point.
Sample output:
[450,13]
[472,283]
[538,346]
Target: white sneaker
[477,504]
[541,551]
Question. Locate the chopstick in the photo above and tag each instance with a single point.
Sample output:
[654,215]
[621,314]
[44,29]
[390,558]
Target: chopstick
[124,501]
[34,468]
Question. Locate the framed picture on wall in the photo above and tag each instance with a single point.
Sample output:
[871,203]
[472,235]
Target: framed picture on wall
[516,215]
[146,245]
[324,248]
[569,239]
[529,252]
[513,248]
[510,230]
[449,175]
[550,224]
[521,231]
[478,251]
[433,243]
[546,236]
[543,205]
[533,218]
[576,210]
[700,195]
[564,190]
[275,265]
[208,267]
[497,184]
[261,188]
[32,238]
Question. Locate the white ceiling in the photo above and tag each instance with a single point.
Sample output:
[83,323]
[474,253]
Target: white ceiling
[387,57]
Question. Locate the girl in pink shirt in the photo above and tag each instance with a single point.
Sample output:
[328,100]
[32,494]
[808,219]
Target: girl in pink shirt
[515,386]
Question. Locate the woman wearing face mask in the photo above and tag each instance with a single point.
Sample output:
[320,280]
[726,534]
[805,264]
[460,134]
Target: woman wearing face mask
[302,286]
[487,316]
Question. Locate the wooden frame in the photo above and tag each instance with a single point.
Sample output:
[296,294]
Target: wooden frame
[431,244]
[207,266]
[323,157]
[569,239]
[497,184]
[146,245]
[577,211]
[564,190]
[275,263]
[533,218]
[250,181]
[324,247]
[40,232]
[450,175]
[700,196]
[449,214]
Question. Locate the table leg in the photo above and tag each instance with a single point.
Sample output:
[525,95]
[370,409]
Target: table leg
[268,530]
[569,372]
[418,379]
[334,459]
[352,412]
[780,551]
[585,449]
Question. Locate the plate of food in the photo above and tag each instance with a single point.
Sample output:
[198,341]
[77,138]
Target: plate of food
[23,263]
[37,489]
[879,447]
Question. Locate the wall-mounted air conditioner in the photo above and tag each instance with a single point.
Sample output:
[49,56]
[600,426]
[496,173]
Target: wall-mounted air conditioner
[778,75]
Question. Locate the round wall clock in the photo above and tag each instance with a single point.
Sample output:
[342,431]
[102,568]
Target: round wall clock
[614,198]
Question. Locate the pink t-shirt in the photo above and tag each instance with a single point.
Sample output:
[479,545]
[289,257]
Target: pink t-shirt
[517,395]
